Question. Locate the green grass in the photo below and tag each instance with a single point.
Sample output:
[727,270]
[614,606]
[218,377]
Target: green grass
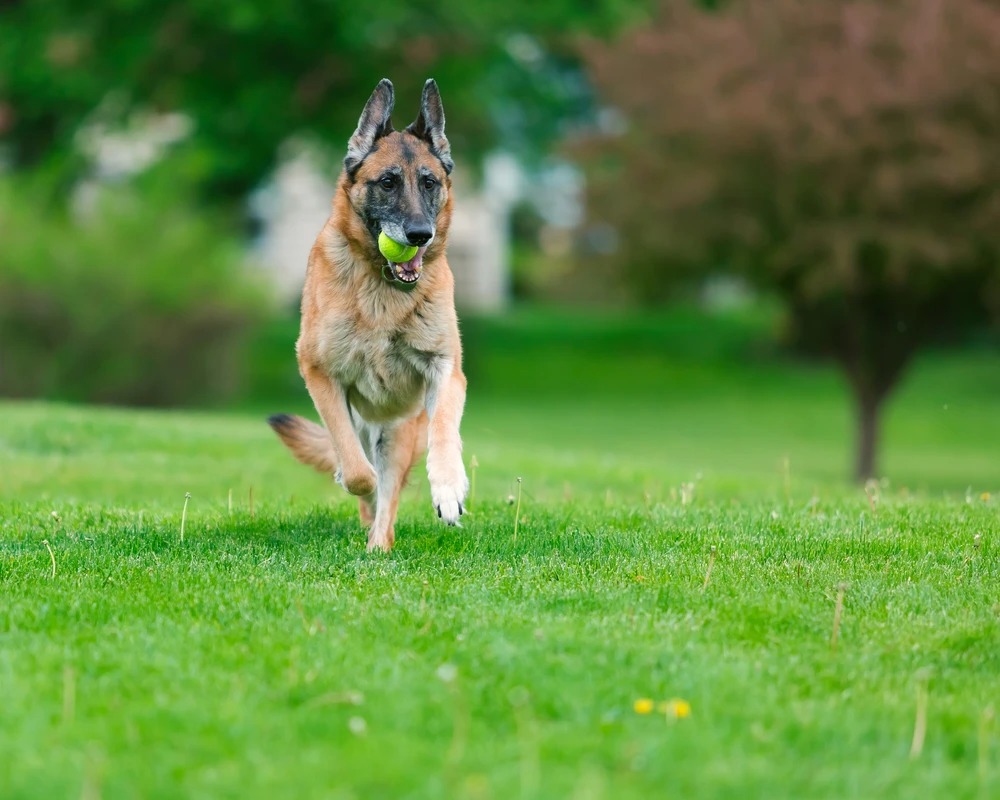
[237,662]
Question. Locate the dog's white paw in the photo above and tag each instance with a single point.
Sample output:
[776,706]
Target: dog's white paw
[448,503]
[449,485]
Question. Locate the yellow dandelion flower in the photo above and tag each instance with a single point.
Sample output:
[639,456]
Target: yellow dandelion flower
[682,708]
[675,708]
[985,497]
[643,705]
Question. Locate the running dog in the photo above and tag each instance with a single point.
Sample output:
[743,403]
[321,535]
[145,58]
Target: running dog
[379,348]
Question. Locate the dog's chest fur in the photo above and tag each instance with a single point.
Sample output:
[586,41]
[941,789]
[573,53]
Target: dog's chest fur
[384,367]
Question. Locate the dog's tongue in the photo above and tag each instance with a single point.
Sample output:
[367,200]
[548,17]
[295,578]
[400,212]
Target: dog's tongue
[415,263]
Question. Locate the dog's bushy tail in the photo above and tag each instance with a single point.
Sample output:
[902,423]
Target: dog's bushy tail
[310,443]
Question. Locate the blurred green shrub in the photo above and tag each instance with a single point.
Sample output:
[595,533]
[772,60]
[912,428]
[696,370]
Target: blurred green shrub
[139,300]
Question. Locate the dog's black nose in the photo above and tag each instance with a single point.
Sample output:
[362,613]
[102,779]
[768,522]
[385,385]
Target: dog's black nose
[418,237]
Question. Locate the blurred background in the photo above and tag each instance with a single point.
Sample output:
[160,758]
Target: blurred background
[726,239]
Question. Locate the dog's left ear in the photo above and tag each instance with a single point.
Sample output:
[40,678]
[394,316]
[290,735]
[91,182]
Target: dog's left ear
[429,125]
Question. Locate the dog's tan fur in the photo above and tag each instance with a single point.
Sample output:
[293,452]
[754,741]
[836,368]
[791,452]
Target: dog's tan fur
[383,366]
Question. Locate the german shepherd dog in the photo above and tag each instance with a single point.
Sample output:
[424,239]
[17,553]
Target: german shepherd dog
[379,347]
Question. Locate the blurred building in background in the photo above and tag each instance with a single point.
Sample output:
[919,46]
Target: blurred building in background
[290,210]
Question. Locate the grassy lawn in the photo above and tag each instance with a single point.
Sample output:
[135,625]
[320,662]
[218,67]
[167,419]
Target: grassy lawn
[267,655]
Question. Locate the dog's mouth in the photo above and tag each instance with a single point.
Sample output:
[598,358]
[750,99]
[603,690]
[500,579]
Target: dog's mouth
[405,273]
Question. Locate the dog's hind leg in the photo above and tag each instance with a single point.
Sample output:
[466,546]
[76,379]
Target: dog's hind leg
[394,450]
[366,510]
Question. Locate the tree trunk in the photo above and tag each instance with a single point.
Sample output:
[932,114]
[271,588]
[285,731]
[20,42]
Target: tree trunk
[869,408]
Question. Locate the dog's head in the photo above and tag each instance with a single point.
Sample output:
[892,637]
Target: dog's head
[398,181]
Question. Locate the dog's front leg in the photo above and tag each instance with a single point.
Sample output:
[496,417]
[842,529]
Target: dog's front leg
[355,473]
[445,470]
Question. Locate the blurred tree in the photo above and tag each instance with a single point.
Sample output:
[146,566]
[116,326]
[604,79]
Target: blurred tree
[844,154]
[250,73]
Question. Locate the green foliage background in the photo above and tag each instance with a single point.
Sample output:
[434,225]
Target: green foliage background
[251,73]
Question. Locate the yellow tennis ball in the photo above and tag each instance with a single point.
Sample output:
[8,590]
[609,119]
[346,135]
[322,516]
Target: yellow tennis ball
[393,250]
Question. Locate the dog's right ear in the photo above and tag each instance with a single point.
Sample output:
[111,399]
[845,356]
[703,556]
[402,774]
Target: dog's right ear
[375,123]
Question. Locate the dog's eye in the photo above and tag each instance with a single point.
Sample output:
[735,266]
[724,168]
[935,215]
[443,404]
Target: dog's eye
[429,183]
[387,183]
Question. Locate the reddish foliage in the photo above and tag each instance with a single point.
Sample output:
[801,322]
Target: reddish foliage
[843,153]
